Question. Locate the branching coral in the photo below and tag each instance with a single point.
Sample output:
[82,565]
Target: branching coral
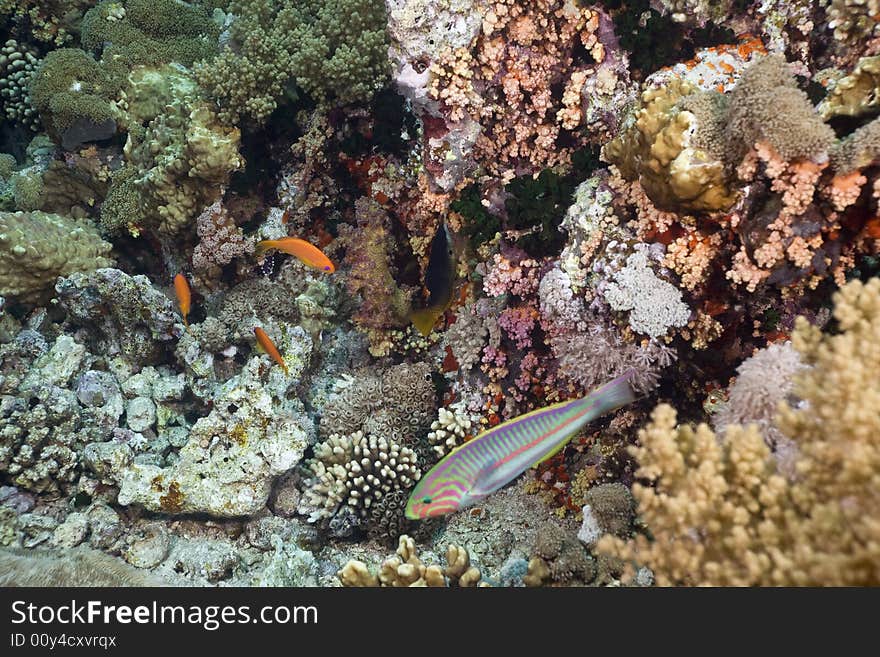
[50,21]
[720,513]
[333,50]
[17,66]
[356,471]
[451,428]
[854,24]
[375,428]
[505,82]
[407,569]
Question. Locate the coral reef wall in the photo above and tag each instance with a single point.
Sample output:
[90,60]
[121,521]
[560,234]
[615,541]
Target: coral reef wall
[263,263]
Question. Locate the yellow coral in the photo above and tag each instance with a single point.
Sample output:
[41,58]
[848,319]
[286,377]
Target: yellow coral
[721,514]
[406,569]
[661,150]
[855,94]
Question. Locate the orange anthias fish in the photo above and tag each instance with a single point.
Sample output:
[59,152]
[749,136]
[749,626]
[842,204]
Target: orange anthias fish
[266,343]
[181,289]
[308,254]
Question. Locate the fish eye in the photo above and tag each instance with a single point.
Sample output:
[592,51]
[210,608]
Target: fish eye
[326,268]
[426,500]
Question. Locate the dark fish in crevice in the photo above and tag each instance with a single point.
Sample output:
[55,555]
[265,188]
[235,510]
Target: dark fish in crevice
[439,281]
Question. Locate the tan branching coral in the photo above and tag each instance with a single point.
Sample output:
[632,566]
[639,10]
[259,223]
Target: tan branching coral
[719,511]
[407,569]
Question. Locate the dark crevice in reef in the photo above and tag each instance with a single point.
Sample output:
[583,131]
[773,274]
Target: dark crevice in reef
[653,40]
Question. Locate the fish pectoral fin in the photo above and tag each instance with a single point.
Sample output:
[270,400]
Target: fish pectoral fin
[550,454]
[488,480]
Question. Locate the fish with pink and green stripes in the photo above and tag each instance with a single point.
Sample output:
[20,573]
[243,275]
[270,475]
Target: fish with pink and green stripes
[497,456]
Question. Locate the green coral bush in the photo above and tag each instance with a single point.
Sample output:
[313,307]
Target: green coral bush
[334,50]
[149,32]
[74,96]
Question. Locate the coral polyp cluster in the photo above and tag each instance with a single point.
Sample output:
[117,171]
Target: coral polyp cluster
[265,263]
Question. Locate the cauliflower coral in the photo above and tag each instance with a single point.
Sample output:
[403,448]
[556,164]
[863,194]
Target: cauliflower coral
[719,511]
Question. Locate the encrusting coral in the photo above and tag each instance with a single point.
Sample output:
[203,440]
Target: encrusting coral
[69,567]
[37,248]
[231,456]
[719,511]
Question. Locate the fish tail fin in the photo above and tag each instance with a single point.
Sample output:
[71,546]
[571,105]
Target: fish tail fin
[602,400]
[424,320]
[262,247]
[613,394]
[284,368]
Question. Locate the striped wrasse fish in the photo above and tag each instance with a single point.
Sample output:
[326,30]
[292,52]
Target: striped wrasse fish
[497,456]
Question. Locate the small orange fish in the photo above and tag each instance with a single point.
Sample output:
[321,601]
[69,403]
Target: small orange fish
[266,343]
[307,253]
[181,289]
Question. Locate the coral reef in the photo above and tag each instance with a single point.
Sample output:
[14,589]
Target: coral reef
[569,192]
